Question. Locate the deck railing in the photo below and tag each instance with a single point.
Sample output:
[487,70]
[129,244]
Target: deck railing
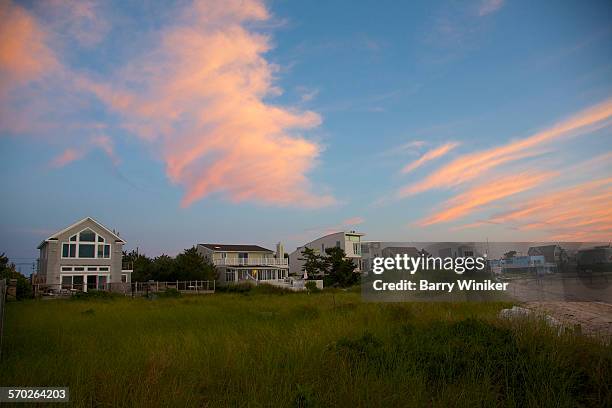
[251,262]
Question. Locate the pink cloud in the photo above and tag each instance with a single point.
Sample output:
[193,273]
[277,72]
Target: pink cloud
[485,193]
[578,212]
[471,166]
[198,98]
[353,221]
[429,156]
[68,156]
[490,6]
[104,143]
[24,53]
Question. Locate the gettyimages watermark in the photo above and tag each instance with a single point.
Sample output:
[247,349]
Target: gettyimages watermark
[484,271]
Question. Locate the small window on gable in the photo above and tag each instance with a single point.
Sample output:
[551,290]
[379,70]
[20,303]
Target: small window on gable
[104,251]
[100,239]
[87,236]
[73,238]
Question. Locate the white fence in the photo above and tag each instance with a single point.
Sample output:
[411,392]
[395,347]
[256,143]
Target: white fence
[128,289]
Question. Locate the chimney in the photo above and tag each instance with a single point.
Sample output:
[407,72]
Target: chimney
[280,251]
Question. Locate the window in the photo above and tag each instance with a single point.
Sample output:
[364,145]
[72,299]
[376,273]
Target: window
[86,244]
[87,236]
[124,277]
[77,282]
[337,244]
[86,250]
[103,251]
[265,274]
[353,238]
[102,282]
[230,275]
[356,248]
[68,250]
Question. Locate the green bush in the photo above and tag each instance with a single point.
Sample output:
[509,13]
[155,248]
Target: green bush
[311,286]
[235,288]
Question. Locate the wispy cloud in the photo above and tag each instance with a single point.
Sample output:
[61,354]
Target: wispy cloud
[353,221]
[578,212]
[197,95]
[470,166]
[490,6]
[485,193]
[24,53]
[429,156]
[69,155]
[307,94]
[83,21]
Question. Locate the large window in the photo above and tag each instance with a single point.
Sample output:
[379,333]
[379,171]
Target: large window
[84,282]
[86,244]
[266,274]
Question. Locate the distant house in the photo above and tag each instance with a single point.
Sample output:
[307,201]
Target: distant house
[598,259]
[245,263]
[350,242]
[85,255]
[554,255]
[534,264]
[458,251]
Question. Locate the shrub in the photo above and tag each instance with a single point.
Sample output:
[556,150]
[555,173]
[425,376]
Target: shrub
[311,286]
[235,288]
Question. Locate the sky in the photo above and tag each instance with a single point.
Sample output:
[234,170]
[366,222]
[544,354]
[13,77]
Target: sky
[249,121]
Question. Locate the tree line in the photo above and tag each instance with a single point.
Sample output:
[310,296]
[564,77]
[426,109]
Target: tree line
[333,267]
[8,272]
[186,266]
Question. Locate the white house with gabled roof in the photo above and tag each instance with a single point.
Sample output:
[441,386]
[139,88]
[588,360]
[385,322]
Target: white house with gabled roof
[85,255]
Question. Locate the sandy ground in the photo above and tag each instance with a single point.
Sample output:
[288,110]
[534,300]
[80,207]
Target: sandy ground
[591,318]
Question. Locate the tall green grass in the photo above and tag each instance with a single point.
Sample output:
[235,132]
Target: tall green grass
[285,350]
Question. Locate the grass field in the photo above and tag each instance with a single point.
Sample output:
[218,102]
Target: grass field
[326,349]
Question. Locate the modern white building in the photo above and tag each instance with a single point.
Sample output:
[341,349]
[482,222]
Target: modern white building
[349,241]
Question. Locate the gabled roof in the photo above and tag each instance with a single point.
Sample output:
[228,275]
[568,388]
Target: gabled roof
[54,236]
[235,248]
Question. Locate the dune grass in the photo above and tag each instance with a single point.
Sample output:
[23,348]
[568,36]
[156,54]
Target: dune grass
[297,350]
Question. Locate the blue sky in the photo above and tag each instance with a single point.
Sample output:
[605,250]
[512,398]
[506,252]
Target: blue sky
[344,95]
